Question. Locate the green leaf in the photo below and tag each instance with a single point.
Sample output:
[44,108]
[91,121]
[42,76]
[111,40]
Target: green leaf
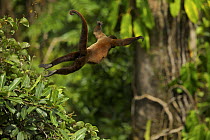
[14,132]
[140,30]
[41,112]
[208,135]
[53,118]
[9,62]
[24,21]
[148,129]
[39,90]
[23,113]
[26,81]
[175,7]
[11,21]
[80,124]
[20,136]
[114,14]
[47,91]
[37,81]
[126,26]
[147,16]
[64,134]
[30,109]
[10,107]
[15,99]
[32,128]
[62,116]
[191,10]
[14,84]
[24,45]
[80,134]
[2,80]
[54,96]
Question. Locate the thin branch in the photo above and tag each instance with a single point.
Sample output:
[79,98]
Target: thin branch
[166,132]
[159,101]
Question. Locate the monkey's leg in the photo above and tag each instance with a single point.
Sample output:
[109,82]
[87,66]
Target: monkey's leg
[123,42]
[78,64]
[69,57]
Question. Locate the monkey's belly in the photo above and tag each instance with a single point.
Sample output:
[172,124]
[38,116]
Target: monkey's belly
[97,58]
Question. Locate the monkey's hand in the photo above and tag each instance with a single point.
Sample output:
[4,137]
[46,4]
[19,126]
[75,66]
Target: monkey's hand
[140,37]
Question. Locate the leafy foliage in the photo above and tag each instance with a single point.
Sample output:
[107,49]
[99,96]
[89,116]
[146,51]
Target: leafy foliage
[195,76]
[31,107]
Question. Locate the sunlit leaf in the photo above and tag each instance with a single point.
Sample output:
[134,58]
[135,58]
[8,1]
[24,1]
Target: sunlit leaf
[54,96]
[2,80]
[148,130]
[80,124]
[15,99]
[37,81]
[148,17]
[191,10]
[140,30]
[114,14]
[24,45]
[14,84]
[80,134]
[24,21]
[126,26]
[175,7]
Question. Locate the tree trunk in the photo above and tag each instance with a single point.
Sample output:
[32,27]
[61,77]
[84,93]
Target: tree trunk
[154,101]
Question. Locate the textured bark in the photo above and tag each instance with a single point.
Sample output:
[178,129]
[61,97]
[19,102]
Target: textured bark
[153,100]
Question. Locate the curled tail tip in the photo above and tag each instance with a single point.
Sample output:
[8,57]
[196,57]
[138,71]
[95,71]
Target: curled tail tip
[71,12]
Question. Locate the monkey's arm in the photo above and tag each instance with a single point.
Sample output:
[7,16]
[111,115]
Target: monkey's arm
[84,34]
[123,42]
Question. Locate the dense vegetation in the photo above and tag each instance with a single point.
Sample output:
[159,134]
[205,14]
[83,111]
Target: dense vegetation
[31,107]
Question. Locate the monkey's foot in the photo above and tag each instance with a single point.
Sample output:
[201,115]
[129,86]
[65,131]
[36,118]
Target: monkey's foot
[141,37]
[46,66]
[50,73]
